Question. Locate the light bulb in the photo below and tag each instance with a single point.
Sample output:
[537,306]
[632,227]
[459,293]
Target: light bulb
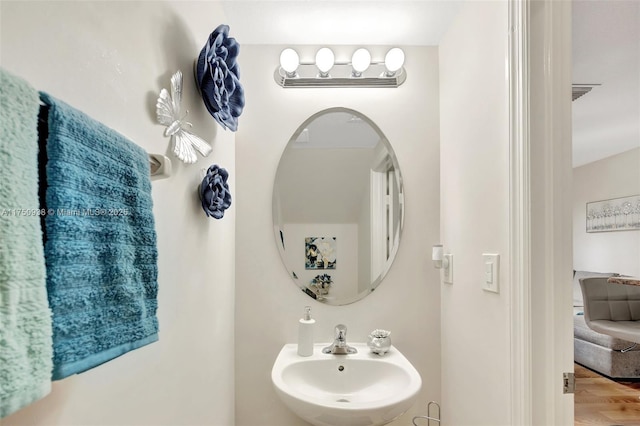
[360,61]
[394,60]
[324,61]
[289,61]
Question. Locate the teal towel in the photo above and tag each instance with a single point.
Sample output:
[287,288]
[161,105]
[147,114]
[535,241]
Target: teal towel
[100,247]
[25,318]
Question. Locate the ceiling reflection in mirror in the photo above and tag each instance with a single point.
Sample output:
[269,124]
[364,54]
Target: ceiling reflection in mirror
[338,206]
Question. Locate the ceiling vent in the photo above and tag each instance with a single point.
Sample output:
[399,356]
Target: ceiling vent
[578,90]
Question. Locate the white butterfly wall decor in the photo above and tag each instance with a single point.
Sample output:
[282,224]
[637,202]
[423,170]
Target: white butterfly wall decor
[168,114]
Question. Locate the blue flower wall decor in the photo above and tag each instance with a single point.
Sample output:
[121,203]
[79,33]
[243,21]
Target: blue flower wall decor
[214,192]
[218,78]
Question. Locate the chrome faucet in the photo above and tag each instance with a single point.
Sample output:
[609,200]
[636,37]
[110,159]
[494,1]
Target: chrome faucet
[339,346]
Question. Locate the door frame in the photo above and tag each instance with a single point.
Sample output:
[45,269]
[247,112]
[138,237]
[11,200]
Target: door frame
[539,68]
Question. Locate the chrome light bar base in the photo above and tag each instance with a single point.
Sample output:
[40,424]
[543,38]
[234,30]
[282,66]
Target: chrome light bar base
[341,75]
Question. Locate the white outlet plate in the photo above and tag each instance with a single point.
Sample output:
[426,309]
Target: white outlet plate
[447,271]
[491,272]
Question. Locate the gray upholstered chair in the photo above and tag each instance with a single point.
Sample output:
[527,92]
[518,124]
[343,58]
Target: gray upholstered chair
[612,309]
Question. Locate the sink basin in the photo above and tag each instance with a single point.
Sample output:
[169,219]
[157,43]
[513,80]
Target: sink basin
[361,389]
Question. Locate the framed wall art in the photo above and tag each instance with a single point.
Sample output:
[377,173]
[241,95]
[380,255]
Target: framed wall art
[320,253]
[617,214]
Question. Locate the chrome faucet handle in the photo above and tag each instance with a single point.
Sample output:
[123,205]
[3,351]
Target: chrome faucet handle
[341,334]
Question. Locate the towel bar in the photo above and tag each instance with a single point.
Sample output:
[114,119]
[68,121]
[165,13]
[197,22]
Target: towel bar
[159,166]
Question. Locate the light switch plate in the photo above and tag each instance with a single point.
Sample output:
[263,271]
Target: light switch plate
[447,271]
[491,272]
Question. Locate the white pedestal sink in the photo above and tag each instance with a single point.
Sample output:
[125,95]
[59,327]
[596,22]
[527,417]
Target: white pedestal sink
[361,389]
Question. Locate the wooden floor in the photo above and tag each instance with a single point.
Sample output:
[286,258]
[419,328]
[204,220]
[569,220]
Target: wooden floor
[601,401]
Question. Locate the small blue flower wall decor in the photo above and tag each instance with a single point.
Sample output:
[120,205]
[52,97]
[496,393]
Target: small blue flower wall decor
[218,78]
[214,192]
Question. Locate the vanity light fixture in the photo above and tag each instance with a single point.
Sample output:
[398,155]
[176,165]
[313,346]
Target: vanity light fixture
[360,61]
[393,61]
[324,61]
[361,71]
[289,62]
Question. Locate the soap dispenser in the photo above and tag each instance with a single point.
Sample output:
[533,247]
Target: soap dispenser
[305,333]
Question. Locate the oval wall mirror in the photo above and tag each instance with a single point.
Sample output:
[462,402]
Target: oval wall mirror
[338,206]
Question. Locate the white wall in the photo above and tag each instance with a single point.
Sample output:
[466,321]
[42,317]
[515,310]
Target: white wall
[268,304]
[110,59]
[612,177]
[474,215]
